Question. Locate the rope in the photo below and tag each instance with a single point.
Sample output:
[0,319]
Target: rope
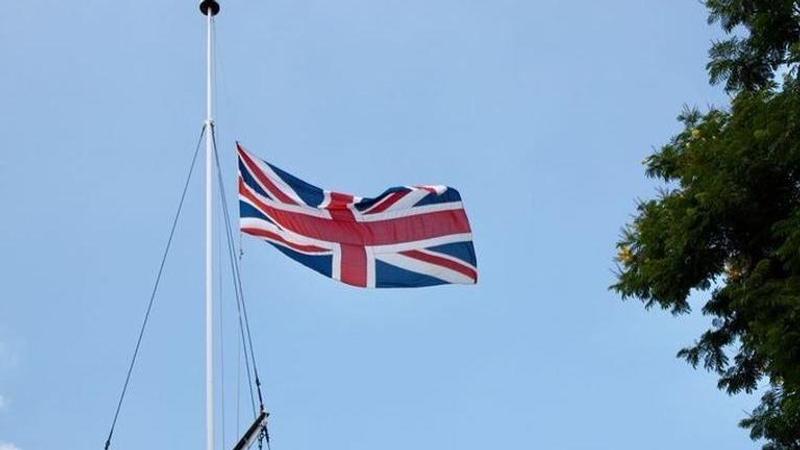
[239,289]
[155,290]
[238,384]
[221,341]
[235,269]
[237,286]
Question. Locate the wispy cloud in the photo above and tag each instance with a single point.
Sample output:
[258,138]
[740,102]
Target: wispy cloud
[8,358]
[7,446]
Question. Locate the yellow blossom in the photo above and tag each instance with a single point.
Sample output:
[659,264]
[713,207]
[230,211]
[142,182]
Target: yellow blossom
[733,271]
[625,255]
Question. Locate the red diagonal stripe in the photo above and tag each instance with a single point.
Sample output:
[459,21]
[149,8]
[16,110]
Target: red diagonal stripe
[274,236]
[263,178]
[439,261]
[387,202]
[382,232]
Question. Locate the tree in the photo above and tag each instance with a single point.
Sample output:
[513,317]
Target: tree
[750,63]
[726,223]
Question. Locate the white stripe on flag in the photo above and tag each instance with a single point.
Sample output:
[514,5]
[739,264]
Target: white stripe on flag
[425,268]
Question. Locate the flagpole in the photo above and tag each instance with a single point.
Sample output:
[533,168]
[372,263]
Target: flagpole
[209,8]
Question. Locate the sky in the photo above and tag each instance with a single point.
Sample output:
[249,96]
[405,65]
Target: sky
[539,112]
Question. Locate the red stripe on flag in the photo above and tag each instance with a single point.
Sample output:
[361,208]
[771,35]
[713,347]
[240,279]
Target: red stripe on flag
[444,262]
[264,179]
[409,228]
[339,207]
[387,202]
[276,237]
[354,265]
[428,188]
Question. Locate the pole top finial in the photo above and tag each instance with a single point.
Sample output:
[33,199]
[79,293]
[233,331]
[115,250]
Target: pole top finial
[209,6]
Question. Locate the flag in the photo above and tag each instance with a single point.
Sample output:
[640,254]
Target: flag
[409,236]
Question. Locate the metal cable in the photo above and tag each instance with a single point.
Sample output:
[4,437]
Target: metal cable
[155,289]
[221,319]
[238,282]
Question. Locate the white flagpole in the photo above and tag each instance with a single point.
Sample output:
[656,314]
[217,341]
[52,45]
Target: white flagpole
[209,8]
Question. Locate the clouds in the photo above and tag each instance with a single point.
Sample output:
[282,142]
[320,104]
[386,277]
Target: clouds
[8,357]
[5,445]
[5,361]
[8,360]
[3,399]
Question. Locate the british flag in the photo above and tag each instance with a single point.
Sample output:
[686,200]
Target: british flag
[409,236]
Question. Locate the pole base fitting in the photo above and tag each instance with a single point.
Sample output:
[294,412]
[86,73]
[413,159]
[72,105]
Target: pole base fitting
[209,6]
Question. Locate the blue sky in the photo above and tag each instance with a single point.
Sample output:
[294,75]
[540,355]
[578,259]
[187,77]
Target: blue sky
[540,112]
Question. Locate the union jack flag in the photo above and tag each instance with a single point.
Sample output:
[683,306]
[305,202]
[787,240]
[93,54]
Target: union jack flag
[409,236]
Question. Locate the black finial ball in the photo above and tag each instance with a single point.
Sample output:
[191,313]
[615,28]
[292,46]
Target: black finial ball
[209,6]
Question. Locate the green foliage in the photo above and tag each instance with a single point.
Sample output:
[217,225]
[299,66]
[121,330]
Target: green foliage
[773,33]
[726,224]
